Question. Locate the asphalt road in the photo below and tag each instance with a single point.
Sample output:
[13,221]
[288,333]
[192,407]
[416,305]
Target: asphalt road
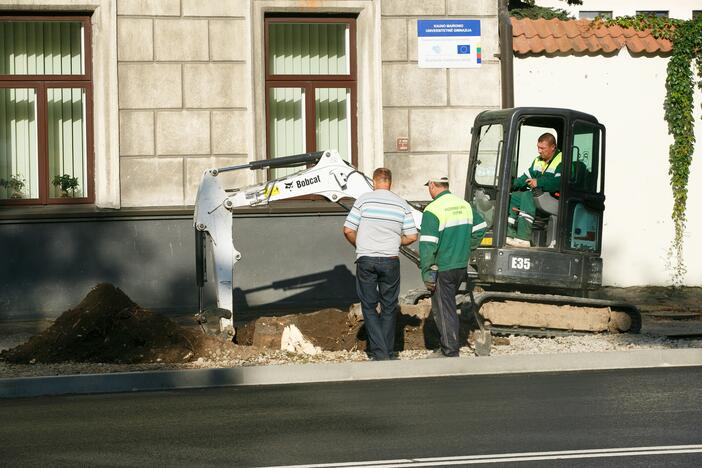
[472,418]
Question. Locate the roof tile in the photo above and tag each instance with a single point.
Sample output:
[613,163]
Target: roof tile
[575,36]
[635,44]
[571,29]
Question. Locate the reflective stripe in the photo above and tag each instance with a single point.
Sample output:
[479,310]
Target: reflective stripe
[455,222]
[553,165]
[511,220]
[432,239]
[542,166]
[557,175]
[529,219]
[480,226]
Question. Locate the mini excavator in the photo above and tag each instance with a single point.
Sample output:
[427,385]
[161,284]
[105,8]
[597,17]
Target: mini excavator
[538,290]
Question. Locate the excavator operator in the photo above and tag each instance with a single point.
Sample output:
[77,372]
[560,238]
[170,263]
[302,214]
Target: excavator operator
[545,174]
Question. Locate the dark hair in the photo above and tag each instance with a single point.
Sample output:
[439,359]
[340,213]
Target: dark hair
[382,173]
[548,138]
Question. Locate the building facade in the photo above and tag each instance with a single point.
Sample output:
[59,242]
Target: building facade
[112,109]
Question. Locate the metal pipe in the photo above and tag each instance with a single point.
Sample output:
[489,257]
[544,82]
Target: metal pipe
[286,161]
[506,55]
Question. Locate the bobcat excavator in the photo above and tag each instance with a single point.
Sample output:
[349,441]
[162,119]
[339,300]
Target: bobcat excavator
[541,290]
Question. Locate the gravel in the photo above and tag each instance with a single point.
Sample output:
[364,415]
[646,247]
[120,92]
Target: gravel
[259,357]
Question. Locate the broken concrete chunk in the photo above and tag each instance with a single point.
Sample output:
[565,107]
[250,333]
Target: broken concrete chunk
[293,341]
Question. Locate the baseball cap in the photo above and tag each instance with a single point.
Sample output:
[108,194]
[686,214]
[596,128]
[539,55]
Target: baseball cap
[438,180]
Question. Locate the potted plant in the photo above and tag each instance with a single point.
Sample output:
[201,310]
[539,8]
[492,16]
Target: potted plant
[65,183]
[14,185]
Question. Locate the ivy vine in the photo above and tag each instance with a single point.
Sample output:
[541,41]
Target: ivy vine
[686,55]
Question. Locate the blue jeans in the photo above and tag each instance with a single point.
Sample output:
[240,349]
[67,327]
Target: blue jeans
[378,280]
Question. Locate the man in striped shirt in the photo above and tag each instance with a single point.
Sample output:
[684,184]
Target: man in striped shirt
[378,223]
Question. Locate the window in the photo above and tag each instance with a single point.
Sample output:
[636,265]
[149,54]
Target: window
[696,13]
[489,149]
[660,13]
[310,86]
[486,176]
[584,206]
[584,172]
[46,142]
[594,14]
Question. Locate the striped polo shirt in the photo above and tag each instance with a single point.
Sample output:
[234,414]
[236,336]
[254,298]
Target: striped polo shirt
[379,218]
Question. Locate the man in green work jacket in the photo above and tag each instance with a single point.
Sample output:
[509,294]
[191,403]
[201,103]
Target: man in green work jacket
[450,229]
[545,174]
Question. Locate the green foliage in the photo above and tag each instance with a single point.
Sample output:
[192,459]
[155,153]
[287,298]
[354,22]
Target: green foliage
[686,37]
[15,185]
[540,12]
[65,183]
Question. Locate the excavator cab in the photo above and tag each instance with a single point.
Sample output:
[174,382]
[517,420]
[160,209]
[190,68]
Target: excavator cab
[566,238]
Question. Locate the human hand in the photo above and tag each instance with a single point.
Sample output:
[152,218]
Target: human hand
[531,183]
[431,286]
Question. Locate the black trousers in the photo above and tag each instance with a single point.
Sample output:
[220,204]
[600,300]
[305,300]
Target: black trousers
[443,306]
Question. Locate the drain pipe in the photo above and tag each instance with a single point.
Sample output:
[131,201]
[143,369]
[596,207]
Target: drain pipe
[506,55]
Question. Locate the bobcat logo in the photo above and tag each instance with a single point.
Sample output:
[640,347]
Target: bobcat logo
[288,185]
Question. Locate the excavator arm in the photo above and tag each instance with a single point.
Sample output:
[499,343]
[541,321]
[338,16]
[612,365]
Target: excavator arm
[331,177]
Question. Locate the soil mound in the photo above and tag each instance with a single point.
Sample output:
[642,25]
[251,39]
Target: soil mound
[330,329]
[336,330]
[108,327]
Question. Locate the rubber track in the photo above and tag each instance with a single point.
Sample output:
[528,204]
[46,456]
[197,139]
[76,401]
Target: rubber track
[413,297]
[483,298]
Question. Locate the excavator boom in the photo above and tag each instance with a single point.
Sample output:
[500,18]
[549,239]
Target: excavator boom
[330,177]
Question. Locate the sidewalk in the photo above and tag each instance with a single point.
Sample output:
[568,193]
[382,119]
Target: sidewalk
[652,348]
[351,371]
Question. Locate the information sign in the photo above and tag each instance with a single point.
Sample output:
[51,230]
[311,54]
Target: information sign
[447,43]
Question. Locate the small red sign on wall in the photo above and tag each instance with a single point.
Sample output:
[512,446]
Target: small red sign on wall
[402,144]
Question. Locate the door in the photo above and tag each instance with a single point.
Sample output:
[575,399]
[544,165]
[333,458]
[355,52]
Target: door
[584,194]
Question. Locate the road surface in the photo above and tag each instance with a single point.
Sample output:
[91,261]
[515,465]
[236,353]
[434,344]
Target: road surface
[641,417]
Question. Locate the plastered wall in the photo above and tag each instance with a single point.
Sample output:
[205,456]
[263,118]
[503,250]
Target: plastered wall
[626,94]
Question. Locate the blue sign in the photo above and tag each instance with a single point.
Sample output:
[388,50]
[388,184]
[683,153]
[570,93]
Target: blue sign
[463,48]
[448,28]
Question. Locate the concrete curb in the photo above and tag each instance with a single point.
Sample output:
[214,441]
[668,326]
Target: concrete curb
[341,372]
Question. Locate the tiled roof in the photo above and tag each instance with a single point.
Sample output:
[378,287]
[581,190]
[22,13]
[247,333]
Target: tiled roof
[554,36]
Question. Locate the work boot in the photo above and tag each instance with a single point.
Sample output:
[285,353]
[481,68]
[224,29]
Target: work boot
[517,242]
[437,353]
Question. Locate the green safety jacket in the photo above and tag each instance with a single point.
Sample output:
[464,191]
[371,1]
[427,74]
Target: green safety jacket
[547,174]
[450,230]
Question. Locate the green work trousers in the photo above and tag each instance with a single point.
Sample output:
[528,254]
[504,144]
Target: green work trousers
[521,215]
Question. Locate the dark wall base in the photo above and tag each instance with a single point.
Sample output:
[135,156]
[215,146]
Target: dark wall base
[289,261]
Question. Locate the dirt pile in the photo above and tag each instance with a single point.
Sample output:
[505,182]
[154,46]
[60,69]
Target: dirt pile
[330,329]
[108,327]
[336,330]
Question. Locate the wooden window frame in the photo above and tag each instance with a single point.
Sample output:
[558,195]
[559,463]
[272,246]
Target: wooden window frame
[41,83]
[310,83]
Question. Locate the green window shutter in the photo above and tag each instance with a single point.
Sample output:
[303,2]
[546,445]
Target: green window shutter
[286,124]
[19,173]
[41,48]
[308,49]
[333,127]
[67,142]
